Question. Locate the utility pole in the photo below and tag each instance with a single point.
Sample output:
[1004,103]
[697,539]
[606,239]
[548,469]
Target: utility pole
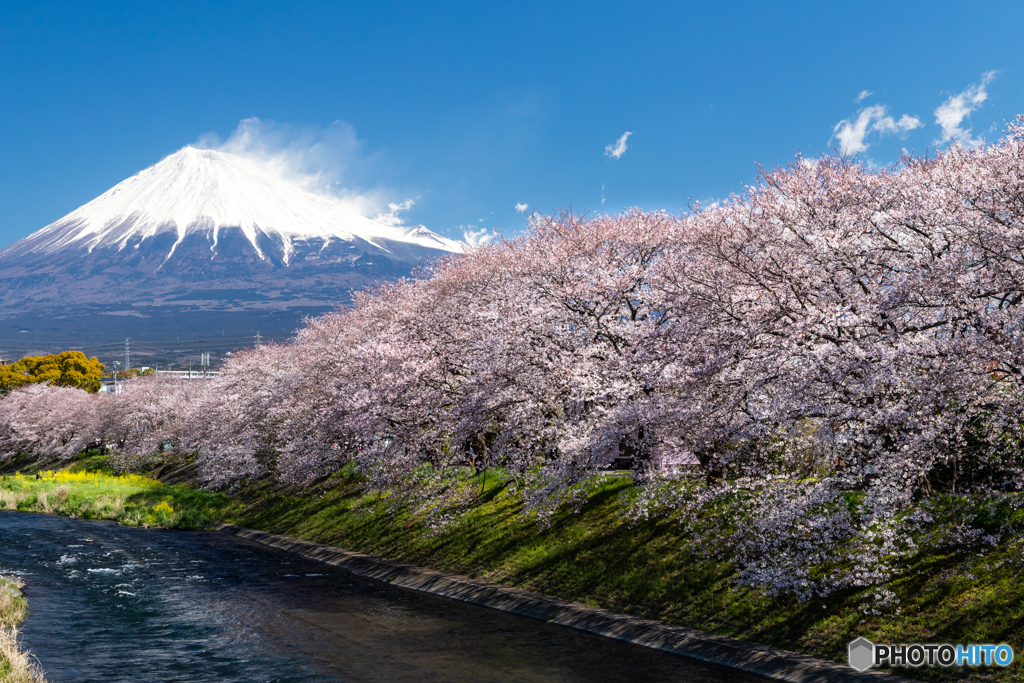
[258,338]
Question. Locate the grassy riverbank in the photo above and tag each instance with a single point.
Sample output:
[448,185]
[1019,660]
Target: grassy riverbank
[652,569]
[90,490]
[592,555]
[16,666]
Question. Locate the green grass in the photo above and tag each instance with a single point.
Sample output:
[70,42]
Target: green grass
[90,490]
[13,607]
[16,666]
[594,556]
[650,569]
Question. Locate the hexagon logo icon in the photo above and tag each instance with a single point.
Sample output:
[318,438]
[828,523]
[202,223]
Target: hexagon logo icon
[862,654]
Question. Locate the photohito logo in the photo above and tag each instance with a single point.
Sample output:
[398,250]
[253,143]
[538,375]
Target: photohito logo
[864,654]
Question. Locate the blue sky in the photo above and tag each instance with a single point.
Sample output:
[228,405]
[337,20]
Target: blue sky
[470,109]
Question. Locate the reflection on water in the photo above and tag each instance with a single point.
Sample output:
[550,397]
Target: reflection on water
[110,603]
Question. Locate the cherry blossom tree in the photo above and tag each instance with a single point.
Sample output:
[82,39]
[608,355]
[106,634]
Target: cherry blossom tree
[47,421]
[835,328]
[149,418]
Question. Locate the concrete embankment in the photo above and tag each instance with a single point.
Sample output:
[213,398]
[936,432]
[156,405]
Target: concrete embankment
[767,661]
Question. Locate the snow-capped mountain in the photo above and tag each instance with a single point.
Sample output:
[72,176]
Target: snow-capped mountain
[206,231]
[208,220]
[197,191]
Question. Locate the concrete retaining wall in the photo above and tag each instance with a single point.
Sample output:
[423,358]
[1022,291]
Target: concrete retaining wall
[739,654]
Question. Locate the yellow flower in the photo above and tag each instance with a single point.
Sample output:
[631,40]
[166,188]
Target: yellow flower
[164,508]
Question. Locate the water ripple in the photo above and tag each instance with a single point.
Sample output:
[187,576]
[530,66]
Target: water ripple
[128,605]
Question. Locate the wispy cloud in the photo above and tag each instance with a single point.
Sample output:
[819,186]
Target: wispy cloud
[323,160]
[618,148]
[318,159]
[392,217]
[862,96]
[521,208]
[874,119]
[951,113]
[476,238]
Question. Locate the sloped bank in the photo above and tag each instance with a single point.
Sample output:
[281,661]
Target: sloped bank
[739,654]
[592,554]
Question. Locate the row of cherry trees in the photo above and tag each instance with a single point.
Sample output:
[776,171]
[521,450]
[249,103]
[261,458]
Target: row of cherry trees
[831,346]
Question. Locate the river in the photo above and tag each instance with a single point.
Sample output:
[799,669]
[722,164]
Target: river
[111,603]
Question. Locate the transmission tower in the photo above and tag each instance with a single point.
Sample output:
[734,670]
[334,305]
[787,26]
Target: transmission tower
[258,338]
[127,354]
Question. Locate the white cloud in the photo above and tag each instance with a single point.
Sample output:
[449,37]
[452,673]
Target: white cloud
[321,160]
[602,195]
[521,208]
[953,111]
[476,238]
[314,158]
[863,94]
[874,119]
[392,217]
[618,148]
[907,123]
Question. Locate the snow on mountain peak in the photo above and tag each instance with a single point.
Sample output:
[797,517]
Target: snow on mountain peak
[203,190]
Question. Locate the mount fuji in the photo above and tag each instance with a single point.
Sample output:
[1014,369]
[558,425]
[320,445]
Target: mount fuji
[204,240]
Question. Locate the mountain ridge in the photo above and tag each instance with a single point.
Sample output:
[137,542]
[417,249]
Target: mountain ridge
[196,190]
[203,231]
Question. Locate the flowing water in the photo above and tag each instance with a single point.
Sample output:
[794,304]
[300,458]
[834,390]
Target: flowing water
[111,603]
